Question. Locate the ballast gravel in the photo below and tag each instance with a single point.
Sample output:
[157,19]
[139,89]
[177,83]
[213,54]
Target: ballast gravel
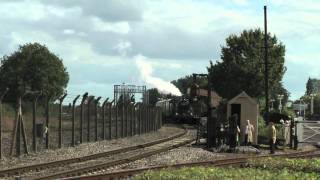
[86,148]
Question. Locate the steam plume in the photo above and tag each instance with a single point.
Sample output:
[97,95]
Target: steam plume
[146,75]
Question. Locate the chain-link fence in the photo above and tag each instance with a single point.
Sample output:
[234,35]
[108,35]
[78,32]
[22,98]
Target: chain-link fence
[85,119]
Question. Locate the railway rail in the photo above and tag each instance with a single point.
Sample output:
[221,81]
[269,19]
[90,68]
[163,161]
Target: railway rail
[43,166]
[125,157]
[218,163]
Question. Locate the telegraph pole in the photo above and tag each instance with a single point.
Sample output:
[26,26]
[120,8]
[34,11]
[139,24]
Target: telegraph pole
[266,73]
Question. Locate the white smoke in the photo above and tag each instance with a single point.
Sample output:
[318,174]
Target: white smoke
[146,75]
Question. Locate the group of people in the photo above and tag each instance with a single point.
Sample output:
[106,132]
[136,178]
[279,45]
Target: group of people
[249,130]
[248,138]
[235,132]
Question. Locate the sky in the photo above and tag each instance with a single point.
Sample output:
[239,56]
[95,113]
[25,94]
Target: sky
[100,41]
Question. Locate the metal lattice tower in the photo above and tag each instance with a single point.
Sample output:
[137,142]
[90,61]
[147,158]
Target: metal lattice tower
[126,91]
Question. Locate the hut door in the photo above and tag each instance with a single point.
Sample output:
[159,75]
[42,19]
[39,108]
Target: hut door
[236,109]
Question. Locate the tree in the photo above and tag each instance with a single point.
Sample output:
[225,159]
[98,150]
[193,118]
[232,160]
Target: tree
[186,82]
[309,87]
[33,67]
[312,86]
[153,96]
[241,67]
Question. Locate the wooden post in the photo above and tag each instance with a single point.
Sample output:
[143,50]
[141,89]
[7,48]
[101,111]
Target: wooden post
[19,128]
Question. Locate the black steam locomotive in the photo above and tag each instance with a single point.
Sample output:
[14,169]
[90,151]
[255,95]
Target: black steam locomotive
[181,110]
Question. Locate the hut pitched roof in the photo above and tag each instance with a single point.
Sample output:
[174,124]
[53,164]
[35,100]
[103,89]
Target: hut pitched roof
[242,95]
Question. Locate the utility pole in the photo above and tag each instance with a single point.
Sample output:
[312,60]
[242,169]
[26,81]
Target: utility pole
[266,73]
[211,115]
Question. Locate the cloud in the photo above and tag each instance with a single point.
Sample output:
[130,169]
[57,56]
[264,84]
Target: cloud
[68,31]
[117,27]
[123,47]
[99,39]
[111,10]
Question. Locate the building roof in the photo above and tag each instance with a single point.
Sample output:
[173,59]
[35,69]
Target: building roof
[242,95]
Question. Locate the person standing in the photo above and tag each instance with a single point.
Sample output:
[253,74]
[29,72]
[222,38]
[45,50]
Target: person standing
[238,136]
[233,131]
[248,138]
[272,136]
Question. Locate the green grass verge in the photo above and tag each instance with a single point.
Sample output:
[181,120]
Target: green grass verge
[202,173]
[305,165]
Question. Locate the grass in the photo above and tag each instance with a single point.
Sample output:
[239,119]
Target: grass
[304,165]
[202,173]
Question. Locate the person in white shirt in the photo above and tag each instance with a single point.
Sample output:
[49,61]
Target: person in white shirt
[248,133]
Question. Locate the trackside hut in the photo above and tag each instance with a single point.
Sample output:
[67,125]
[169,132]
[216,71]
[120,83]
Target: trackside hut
[246,108]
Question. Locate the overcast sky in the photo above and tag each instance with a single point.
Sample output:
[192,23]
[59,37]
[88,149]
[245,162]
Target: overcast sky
[99,40]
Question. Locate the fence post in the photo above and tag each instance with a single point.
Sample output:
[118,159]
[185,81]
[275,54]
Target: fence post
[84,97]
[139,119]
[96,102]
[1,112]
[116,113]
[104,118]
[73,119]
[154,122]
[60,120]
[47,121]
[131,109]
[152,118]
[148,118]
[160,118]
[88,117]
[145,117]
[34,110]
[155,116]
[127,119]
[122,121]
[142,118]
[129,116]
[135,118]
[110,119]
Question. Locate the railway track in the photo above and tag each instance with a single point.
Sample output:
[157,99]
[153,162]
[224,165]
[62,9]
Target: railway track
[43,166]
[218,163]
[124,158]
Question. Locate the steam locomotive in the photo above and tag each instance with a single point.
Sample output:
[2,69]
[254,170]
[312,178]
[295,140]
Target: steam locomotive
[181,110]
